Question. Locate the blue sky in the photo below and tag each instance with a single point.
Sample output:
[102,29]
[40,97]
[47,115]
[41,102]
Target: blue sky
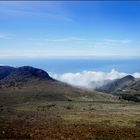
[50,29]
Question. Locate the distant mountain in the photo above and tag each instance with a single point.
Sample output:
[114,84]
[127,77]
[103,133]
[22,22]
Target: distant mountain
[29,84]
[130,92]
[117,84]
[127,88]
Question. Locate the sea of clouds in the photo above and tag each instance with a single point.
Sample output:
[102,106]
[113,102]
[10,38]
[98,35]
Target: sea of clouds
[91,79]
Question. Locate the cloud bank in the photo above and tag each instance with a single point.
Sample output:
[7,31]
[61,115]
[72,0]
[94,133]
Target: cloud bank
[91,79]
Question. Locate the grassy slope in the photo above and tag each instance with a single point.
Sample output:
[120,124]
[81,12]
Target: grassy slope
[37,91]
[69,120]
[55,111]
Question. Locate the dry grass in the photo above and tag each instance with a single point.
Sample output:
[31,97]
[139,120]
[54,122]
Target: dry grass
[68,120]
[20,129]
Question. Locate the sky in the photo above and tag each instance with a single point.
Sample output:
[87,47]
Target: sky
[67,28]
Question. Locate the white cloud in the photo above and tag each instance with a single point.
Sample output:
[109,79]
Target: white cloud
[136,75]
[123,41]
[6,35]
[85,78]
[111,43]
[53,10]
[22,53]
[73,38]
[66,39]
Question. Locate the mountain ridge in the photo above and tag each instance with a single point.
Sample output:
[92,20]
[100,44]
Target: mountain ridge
[127,88]
[116,84]
[26,84]
[21,75]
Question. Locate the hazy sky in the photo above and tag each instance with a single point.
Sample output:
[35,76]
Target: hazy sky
[44,29]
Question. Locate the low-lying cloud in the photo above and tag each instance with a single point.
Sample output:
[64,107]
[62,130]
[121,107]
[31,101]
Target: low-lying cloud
[91,79]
